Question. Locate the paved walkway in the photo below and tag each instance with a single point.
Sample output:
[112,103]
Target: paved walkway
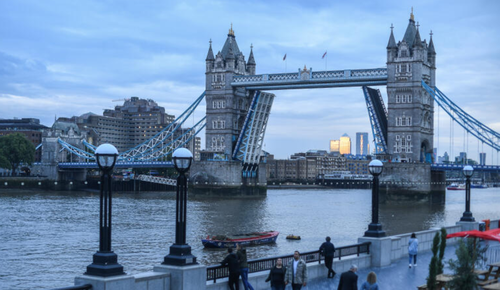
[397,276]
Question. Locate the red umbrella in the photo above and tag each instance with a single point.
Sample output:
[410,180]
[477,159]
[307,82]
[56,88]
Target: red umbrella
[492,235]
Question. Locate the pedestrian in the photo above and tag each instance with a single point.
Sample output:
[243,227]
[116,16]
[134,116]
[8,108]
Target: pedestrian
[349,279]
[231,261]
[327,249]
[412,250]
[241,253]
[371,282]
[296,272]
[277,276]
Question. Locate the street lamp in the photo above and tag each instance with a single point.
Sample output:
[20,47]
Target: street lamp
[105,262]
[180,251]
[375,229]
[467,216]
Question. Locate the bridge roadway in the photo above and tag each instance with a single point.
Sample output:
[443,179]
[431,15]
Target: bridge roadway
[93,165]
[309,79]
[169,164]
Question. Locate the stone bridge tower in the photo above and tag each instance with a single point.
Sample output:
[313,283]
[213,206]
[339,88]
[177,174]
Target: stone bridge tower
[227,107]
[410,108]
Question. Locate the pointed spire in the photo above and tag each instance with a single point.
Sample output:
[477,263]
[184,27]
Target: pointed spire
[210,54]
[418,40]
[251,60]
[231,31]
[431,45]
[412,18]
[392,41]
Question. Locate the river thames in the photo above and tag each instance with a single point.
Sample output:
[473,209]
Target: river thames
[48,238]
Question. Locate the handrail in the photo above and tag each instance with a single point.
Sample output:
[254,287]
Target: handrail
[77,287]
[215,272]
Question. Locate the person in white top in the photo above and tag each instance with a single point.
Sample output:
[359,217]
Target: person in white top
[296,272]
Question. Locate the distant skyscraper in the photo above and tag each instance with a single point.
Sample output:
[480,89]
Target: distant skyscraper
[362,144]
[482,158]
[345,144]
[334,145]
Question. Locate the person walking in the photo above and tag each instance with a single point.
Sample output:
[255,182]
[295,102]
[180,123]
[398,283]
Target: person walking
[277,276]
[327,249]
[241,253]
[231,261]
[412,250]
[296,272]
[349,279]
[371,282]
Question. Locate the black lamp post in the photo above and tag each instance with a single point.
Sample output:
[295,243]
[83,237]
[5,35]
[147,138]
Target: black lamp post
[467,216]
[180,251]
[375,229]
[105,262]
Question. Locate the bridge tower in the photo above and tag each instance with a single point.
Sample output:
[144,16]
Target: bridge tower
[226,106]
[410,108]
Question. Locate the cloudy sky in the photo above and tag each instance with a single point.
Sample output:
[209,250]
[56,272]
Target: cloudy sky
[65,58]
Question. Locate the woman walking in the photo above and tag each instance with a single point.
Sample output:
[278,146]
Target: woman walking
[277,276]
[413,249]
[371,282]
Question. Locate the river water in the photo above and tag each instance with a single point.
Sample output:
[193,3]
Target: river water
[48,238]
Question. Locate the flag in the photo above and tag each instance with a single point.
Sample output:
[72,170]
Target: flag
[324,54]
[284,57]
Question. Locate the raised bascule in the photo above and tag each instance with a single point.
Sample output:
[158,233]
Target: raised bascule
[238,106]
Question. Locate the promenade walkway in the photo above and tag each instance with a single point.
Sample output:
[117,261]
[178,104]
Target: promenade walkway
[397,276]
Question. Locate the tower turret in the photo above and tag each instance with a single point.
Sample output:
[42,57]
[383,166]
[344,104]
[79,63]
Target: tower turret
[251,62]
[210,58]
[392,48]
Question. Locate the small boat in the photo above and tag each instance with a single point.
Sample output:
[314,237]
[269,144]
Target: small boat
[250,239]
[292,237]
[455,186]
[478,185]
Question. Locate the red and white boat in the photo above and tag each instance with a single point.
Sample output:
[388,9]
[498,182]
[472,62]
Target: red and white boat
[455,186]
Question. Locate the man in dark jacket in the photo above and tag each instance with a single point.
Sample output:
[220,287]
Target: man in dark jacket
[241,253]
[349,279]
[231,261]
[327,249]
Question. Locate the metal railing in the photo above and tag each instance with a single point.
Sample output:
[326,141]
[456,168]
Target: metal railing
[77,287]
[215,272]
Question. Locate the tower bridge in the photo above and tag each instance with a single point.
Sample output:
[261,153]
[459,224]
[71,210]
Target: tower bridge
[238,107]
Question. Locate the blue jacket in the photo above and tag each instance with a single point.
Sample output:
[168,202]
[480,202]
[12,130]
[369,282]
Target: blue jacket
[413,246]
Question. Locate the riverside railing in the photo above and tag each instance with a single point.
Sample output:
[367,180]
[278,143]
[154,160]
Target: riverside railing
[215,272]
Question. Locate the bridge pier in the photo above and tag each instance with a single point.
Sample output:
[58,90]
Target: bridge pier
[410,181]
[224,178]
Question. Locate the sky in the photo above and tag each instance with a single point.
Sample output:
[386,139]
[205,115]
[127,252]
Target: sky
[66,58]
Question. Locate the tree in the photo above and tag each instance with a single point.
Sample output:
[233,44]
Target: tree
[433,266]
[442,247]
[469,254]
[15,150]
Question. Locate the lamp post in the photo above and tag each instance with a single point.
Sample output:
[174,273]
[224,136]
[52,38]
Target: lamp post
[105,262]
[375,229]
[467,216]
[180,251]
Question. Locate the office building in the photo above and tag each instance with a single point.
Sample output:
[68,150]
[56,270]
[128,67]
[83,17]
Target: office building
[482,158]
[345,144]
[362,144]
[335,146]
[29,127]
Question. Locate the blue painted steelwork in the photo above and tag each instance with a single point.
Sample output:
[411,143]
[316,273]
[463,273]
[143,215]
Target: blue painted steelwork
[451,167]
[75,150]
[378,118]
[309,79]
[245,126]
[38,146]
[469,123]
[88,145]
[90,165]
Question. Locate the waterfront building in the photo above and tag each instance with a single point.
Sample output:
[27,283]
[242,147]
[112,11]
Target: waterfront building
[29,127]
[298,169]
[345,144]
[67,131]
[462,158]
[482,158]
[335,146]
[444,159]
[362,143]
